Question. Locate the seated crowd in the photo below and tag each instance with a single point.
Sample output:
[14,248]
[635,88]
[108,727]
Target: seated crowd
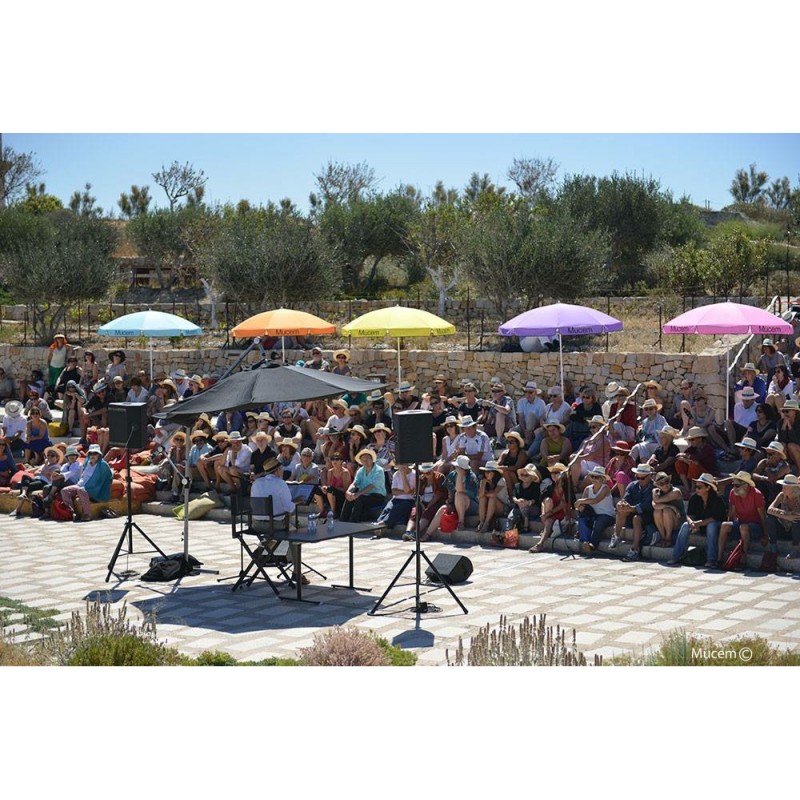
[587,462]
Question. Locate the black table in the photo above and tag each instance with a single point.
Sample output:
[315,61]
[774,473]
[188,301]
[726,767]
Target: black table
[297,538]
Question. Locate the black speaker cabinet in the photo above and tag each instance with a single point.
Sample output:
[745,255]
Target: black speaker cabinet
[127,420]
[413,437]
[453,569]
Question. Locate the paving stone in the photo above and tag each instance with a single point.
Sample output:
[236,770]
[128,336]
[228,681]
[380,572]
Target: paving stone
[614,607]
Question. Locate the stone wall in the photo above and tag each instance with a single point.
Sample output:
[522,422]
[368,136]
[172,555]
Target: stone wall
[706,369]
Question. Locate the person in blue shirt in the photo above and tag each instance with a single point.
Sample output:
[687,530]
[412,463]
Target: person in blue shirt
[367,491]
[637,501]
[750,377]
[94,485]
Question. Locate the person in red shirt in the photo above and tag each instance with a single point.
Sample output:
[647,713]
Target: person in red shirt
[624,427]
[747,515]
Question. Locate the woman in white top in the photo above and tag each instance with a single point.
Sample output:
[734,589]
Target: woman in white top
[449,445]
[137,393]
[595,509]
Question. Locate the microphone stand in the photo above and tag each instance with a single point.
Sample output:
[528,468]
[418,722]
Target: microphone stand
[130,525]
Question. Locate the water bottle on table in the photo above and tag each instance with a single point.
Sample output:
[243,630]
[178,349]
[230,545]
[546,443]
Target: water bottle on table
[312,523]
[330,522]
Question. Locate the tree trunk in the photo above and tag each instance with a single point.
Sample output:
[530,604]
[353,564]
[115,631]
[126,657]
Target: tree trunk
[213,298]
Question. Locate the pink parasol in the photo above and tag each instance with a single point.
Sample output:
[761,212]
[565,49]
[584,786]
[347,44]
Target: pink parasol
[720,318]
[731,318]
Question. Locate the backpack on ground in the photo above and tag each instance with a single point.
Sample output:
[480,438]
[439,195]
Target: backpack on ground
[695,556]
[736,558]
[60,511]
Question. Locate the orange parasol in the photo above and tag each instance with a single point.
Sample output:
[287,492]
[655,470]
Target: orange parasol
[282,322]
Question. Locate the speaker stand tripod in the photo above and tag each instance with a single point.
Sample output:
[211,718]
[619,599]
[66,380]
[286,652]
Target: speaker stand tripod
[129,528]
[420,606]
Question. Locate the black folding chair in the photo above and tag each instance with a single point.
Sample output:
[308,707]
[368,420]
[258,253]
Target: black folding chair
[253,517]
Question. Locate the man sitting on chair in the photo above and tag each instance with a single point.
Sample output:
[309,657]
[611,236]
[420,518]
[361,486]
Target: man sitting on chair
[270,484]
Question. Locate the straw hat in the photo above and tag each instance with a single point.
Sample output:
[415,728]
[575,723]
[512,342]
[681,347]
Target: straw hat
[170,383]
[94,448]
[204,417]
[222,436]
[381,427]
[558,467]
[405,386]
[652,385]
[428,466]
[342,354]
[196,379]
[179,436]
[71,451]
[598,472]
[466,422]
[529,470]
[491,466]
[450,420]
[642,469]
[660,477]
[749,367]
[790,480]
[611,389]
[768,343]
[789,405]
[259,436]
[749,393]
[365,452]
[708,479]
[517,436]
[287,443]
[669,431]
[621,390]
[747,442]
[338,403]
[462,462]
[776,447]
[235,436]
[553,423]
[745,477]
[13,408]
[265,415]
[650,403]
[59,454]
[696,432]
[621,447]
[531,386]
[199,435]
[270,465]
[356,428]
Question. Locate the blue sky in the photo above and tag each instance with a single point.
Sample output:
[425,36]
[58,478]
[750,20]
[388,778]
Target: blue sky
[263,167]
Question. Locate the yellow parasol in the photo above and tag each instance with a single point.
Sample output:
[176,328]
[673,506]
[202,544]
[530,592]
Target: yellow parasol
[398,321]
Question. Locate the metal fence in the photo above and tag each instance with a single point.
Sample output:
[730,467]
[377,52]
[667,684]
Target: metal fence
[475,319]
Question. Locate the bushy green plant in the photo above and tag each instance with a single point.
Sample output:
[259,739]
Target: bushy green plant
[398,657]
[122,650]
[93,634]
[681,649]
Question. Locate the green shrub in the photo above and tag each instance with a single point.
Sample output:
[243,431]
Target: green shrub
[398,657]
[679,649]
[123,650]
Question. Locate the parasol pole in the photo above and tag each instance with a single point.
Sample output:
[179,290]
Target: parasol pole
[399,376]
[561,360]
[283,348]
[187,483]
[151,359]
[727,384]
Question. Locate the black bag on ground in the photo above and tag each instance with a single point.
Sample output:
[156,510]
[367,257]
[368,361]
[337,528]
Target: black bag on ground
[695,556]
[170,568]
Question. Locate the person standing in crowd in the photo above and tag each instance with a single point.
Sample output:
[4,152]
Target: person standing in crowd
[57,358]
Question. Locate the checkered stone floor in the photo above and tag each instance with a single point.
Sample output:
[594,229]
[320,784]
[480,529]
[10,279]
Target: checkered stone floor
[615,606]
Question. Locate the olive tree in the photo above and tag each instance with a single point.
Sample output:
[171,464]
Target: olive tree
[53,261]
